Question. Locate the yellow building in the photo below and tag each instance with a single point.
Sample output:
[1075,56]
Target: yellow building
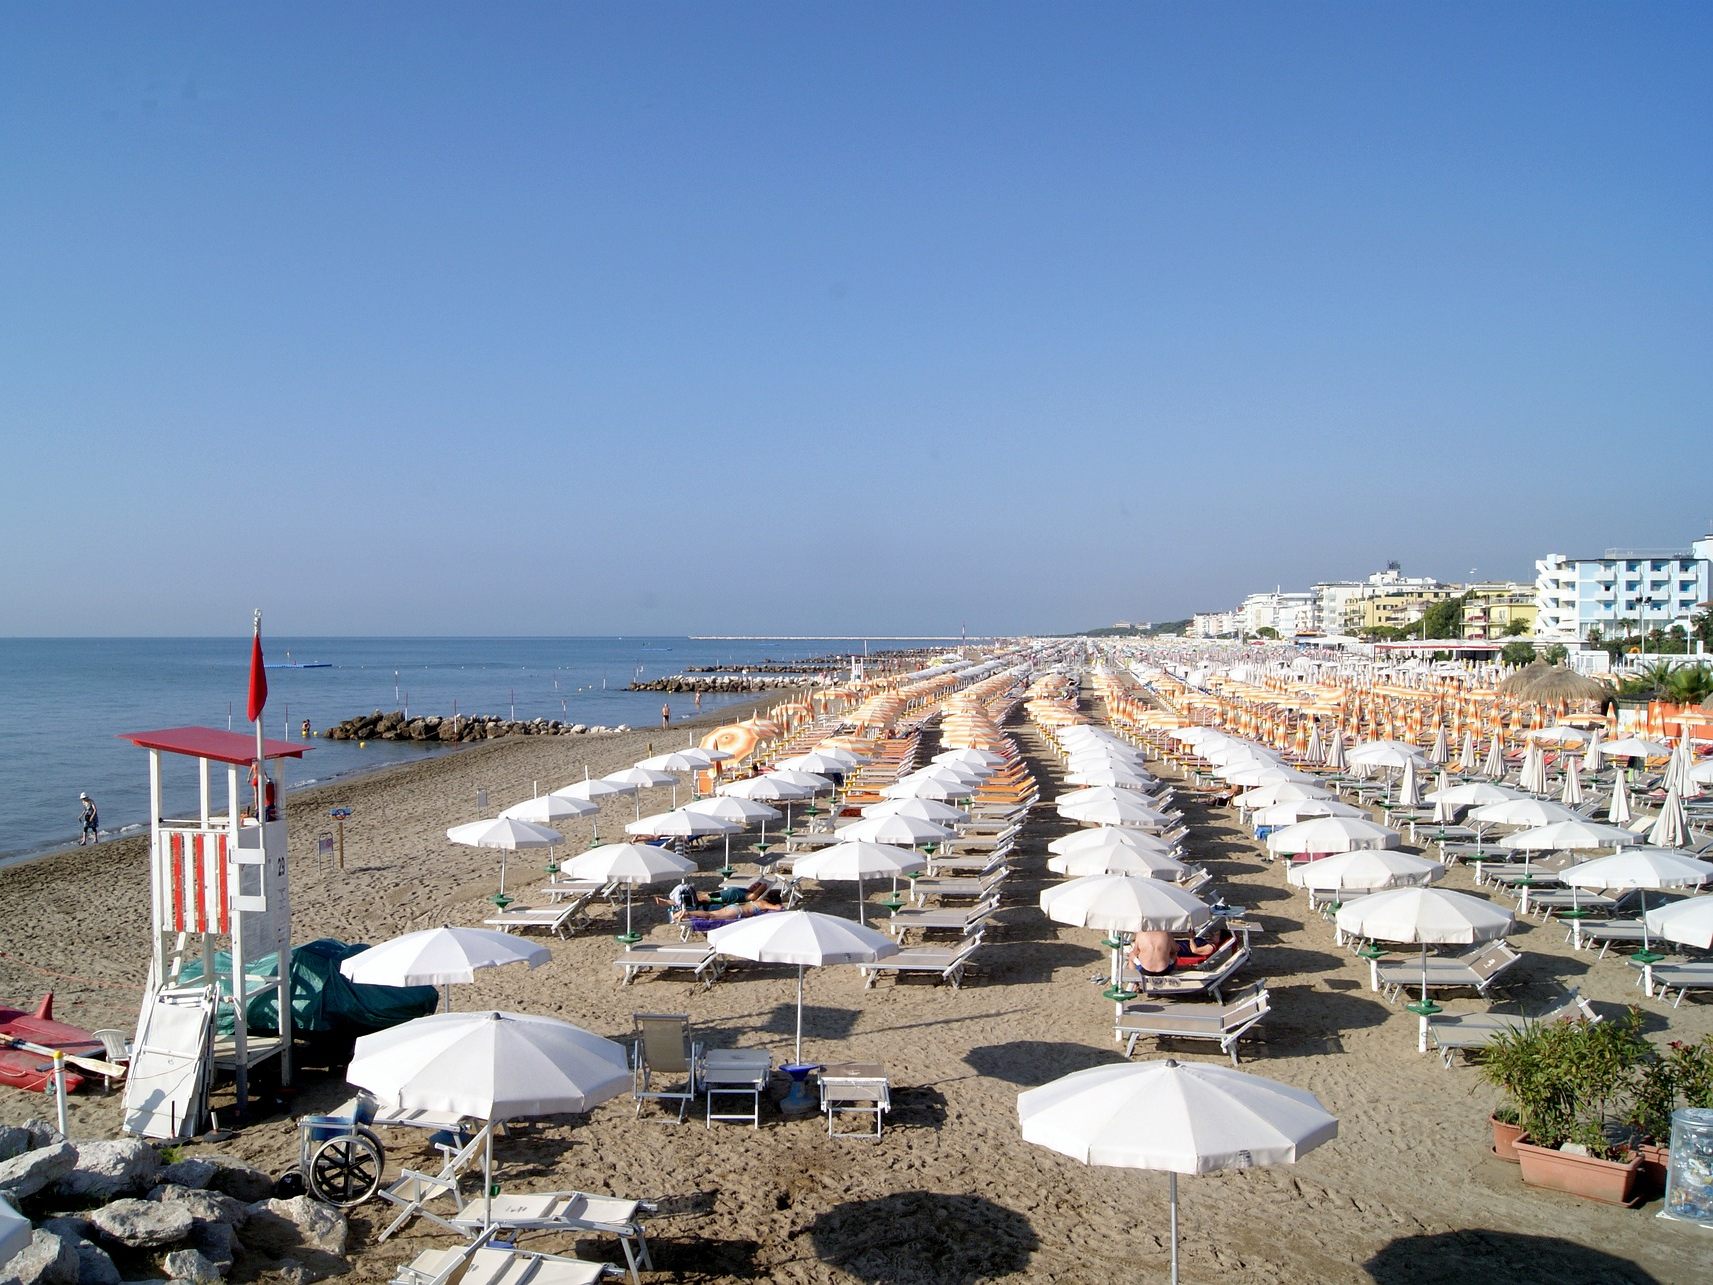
[1395,608]
[1495,610]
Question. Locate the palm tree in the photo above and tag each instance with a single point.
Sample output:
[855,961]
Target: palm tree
[1688,684]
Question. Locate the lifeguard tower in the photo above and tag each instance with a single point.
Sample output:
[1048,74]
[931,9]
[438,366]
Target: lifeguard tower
[217,884]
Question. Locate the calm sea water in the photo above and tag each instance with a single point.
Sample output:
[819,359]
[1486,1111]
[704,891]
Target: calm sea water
[64,702]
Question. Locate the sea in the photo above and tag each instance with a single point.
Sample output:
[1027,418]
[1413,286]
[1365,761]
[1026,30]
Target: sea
[65,702]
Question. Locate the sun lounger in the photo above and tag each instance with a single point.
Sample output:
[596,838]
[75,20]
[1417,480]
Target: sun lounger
[1209,979]
[562,889]
[1453,1033]
[946,962]
[1224,1022]
[500,1265]
[1477,969]
[1545,902]
[962,922]
[559,919]
[957,889]
[1585,934]
[573,1211]
[977,864]
[652,957]
[1681,978]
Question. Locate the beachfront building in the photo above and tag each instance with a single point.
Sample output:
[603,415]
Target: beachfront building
[1498,609]
[1621,591]
[1289,614]
[1214,624]
[1332,599]
[1397,607]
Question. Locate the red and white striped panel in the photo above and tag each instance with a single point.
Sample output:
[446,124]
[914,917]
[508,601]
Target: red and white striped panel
[197,871]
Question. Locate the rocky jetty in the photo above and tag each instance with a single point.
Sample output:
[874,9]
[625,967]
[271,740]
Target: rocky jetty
[116,1211]
[736,684]
[459,729]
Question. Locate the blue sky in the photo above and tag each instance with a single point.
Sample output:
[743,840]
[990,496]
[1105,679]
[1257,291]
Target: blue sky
[828,319]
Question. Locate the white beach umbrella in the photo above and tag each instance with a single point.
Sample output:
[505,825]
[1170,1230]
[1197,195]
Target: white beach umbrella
[1332,834]
[1265,796]
[545,809]
[1392,754]
[763,789]
[1181,1117]
[1702,773]
[491,1066]
[1688,922]
[1559,734]
[1336,758]
[922,809]
[16,1232]
[922,787]
[1440,752]
[1293,810]
[1123,808]
[1113,775]
[630,864]
[982,758]
[507,834]
[681,823]
[734,808]
[440,957]
[804,938]
[1365,871]
[1108,837]
[904,831]
[1594,756]
[1494,767]
[643,778]
[1671,830]
[1618,808]
[1251,775]
[1473,793]
[1424,917]
[684,760]
[1522,812]
[595,790]
[815,763]
[1124,903]
[855,861]
[1409,786]
[1575,835]
[1571,794]
[1639,747]
[1677,768]
[1643,869]
[1466,756]
[810,781]
[1533,775]
[1118,860]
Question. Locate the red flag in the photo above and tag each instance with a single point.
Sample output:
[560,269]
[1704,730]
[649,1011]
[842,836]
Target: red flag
[258,676]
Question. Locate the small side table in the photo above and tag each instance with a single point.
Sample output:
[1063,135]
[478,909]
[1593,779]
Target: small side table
[860,1087]
[739,1073]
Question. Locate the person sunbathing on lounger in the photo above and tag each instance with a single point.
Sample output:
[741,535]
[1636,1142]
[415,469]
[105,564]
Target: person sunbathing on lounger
[771,900]
[685,898]
[1195,950]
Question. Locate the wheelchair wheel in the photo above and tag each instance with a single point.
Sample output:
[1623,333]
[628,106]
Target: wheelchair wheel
[346,1170]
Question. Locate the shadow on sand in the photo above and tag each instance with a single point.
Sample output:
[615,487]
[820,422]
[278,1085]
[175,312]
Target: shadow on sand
[926,1237]
[1032,1062]
[1498,1255]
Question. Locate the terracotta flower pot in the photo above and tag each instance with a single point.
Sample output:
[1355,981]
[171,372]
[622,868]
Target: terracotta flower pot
[1610,1182]
[1650,1181]
[1504,1139]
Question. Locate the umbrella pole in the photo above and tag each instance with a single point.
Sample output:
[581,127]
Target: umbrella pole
[799,1015]
[1646,953]
[860,908]
[488,1178]
[1172,1180]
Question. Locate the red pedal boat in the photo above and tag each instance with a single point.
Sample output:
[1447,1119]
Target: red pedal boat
[32,1070]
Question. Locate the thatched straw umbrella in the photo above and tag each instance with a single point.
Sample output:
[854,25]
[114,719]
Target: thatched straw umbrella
[1518,683]
[1561,684]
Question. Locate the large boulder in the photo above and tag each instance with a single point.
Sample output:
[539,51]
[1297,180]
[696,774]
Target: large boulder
[42,1134]
[206,1206]
[189,1265]
[143,1224]
[94,1266]
[15,1140]
[23,1176]
[241,1181]
[192,1171]
[217,1242]
[281,1227]
[125,1167]
[47,1260]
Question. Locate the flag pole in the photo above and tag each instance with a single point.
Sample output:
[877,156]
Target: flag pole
[256,715]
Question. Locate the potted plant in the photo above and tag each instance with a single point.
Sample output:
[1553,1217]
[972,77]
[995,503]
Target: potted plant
[1680,1076]
[1509,1063]
[1582,1082]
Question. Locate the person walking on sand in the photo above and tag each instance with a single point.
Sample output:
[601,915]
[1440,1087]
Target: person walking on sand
[665,714]
[91,831]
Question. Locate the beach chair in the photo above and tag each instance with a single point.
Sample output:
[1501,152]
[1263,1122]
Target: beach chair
[962,922]
[1209,979]
[563,1211]
[1545,902]
[1681,978]
[977,865]
[1585,935]
[701,961]
[854,1088]
[1477,969]
[563,889]
[487,1262]
[945,962]
[1454,1033]
[559,919]
[1225,1021]
[664,1052]
[980,887]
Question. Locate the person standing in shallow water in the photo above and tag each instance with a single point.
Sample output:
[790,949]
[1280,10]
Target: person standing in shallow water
[91,822]
[665,714]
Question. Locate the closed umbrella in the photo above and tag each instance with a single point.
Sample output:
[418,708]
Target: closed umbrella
[629,864]
[1571,794]
[1533,775]
[1594,757]
[1181,1117]
[1466,756]
[1409,787]
[1314,751]
[1440,753]
[1494,767]
[439,957]
[804,938]
[1618,810]
[1424,917]
[1671,830]
[492,1066]
[1336,759]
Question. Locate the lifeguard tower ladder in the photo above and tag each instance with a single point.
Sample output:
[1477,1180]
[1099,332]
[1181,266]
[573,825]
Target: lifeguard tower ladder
[217,883]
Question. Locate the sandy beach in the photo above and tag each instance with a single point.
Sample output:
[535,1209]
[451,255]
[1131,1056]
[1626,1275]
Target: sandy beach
[1408,1191]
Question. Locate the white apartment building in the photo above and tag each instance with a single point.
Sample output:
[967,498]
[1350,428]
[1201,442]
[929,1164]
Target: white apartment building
[1332,599]
[1214,624]
[1289,613]
[1623,589]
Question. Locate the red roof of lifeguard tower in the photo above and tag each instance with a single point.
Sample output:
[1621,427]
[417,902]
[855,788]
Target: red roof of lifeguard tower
[211,743]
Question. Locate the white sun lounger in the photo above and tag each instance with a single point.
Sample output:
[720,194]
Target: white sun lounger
[1452,1033]
[1223,1022]
[577,1211]
[962,922]
[644,957]
[948,962]
[484,1264]
[1477,969]
[559,919]
[1681,978]
[979,888]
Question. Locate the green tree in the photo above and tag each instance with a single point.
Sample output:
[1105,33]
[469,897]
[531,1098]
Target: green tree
[1266,631]
[1444,619]
[1518,653]
[1688,684]
[1557,654]
[1701,625]
[1595,637]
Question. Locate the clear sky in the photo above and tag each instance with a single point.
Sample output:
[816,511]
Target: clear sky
[590,318]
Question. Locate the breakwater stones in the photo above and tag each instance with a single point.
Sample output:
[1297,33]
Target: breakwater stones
[459,729]
[733,683]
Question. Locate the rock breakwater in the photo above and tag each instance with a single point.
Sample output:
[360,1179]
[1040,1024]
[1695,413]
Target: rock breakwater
[458,729]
